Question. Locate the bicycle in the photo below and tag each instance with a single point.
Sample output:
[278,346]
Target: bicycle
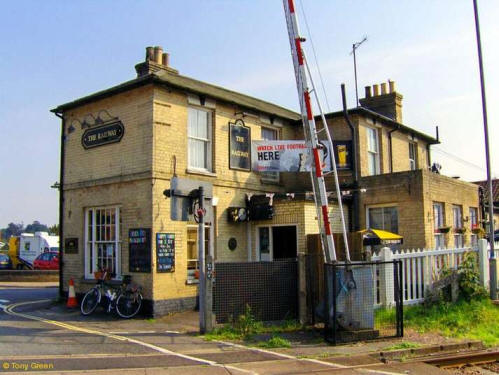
[125,299]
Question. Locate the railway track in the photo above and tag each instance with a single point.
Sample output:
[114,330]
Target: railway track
[462,359]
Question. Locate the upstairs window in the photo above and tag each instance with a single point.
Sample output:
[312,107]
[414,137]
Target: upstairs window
[413,156]
[372,152]
[199,135]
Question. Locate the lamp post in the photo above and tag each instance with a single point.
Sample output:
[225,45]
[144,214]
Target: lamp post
[492,261]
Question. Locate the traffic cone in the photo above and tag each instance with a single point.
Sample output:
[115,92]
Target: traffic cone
[72,302]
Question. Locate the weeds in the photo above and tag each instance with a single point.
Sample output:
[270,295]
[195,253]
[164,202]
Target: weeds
[246,326]
[274,342]
[403,345]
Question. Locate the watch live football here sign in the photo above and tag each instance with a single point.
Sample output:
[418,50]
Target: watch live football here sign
[286,156]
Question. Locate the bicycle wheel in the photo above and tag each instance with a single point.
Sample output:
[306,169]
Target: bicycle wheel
[90,301]
[128,304]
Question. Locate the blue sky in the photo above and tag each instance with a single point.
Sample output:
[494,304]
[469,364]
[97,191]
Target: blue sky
[55,51]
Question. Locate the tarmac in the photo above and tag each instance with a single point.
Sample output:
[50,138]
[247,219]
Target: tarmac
[104,344]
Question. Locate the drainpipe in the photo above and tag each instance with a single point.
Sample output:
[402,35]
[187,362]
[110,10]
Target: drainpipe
[355,212]
[391,146]
[61,205]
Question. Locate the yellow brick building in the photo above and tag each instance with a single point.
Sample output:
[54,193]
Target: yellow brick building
[121,148]
[395,188]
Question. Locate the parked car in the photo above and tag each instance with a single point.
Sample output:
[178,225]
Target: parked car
[5,263]
[47,261]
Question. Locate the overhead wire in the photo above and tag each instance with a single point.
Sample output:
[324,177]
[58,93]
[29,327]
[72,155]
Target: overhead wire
[315,55]
[459,159]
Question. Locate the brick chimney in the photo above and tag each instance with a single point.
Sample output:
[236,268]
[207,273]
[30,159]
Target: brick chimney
[156,60]
[388,104]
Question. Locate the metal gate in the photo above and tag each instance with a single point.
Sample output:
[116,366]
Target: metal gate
[349,309]
[270,289]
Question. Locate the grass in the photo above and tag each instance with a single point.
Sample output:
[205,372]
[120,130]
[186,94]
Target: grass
[274,342]
[403,345]
[472,320]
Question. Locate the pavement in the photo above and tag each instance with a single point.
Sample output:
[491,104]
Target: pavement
[39,335]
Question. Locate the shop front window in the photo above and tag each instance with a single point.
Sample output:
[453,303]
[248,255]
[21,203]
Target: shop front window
[102,241]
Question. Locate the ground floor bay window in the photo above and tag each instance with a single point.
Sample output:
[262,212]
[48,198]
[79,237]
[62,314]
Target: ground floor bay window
[102,241]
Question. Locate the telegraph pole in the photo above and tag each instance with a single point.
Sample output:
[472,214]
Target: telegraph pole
[492,260]
[354,48]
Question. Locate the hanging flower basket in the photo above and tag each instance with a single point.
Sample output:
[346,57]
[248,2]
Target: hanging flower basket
[444,229]
[461,230]
[478,231]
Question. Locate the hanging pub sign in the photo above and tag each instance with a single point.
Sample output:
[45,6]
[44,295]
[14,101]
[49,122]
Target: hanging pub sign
[287,156]
[239,146]
[165,252]
[139,243]
[103,135]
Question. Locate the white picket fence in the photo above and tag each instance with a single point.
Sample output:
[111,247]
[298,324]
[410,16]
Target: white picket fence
[420,268]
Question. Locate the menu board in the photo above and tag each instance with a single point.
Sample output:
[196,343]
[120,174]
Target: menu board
[139,243]
[165,252]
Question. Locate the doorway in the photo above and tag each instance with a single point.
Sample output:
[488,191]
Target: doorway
[277,242]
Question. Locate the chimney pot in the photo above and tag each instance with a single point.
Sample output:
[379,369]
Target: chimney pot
[368,91]
[149,53]
[375,90]
[391,85]
[166,59]
[383,88]
[158,51]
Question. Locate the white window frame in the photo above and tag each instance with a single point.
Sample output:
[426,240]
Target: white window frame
[413,156]
[438,222]
[271,241]
[209,141]
[273,177]
[89,270]
[372,152]
[457,216]
[368,224]
[473,221]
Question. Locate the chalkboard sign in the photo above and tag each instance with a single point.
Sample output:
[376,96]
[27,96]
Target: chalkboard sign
[165,252]
[139,242]
[239,146]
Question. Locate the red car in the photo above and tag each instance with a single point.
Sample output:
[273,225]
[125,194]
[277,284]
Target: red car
[47,261]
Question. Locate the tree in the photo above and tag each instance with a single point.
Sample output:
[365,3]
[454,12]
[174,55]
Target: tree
[12,230]
[36,226]
[54,229]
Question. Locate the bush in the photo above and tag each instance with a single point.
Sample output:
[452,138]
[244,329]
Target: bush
[469,278]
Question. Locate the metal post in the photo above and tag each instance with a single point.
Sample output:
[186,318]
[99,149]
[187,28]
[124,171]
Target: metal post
[355,73]
[201,264]
[493,285]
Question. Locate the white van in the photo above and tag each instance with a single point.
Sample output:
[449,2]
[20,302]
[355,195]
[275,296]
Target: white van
[31,245]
